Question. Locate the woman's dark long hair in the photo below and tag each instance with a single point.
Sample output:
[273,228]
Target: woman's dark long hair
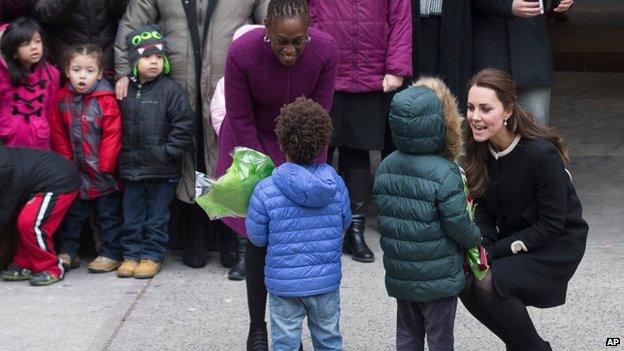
[519,123]
[19,31]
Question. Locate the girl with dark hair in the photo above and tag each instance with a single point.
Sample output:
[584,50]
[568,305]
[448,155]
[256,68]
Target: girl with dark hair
[266,69]
[527,209]
[86,129]
[28,85]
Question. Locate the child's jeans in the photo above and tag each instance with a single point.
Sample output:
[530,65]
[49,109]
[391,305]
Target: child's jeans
[323,313]
[436,319]
[146,214]
[108,217]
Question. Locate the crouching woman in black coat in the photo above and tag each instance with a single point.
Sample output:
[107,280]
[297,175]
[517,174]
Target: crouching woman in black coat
[527,210]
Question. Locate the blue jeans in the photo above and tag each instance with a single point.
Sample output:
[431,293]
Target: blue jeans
[146,215]
[108,217]
[323,313]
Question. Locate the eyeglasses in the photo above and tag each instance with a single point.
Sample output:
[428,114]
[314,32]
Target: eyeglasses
[299,41]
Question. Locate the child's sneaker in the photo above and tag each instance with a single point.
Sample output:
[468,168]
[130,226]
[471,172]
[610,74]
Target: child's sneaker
[103,264]
[127,268]
[16,273]
[69,262]
[147,269]
[43,279]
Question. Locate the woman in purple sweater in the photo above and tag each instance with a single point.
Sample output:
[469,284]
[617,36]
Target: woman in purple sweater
[265,70]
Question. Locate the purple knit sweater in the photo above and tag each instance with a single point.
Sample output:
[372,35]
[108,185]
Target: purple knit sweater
[257,85]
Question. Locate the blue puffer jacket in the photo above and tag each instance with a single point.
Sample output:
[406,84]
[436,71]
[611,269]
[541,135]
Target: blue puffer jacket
[300,213]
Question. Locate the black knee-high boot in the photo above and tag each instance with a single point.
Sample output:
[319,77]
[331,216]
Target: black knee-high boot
[358,182]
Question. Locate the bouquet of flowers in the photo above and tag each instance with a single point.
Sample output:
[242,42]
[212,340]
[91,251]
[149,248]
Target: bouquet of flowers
[475,260]
[229,195]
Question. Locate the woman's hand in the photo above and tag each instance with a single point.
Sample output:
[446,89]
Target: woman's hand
[524,8]
[391,82]
[121,88]
[564,6]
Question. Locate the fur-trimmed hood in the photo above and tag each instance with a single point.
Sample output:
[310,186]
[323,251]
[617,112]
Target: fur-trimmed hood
[425,119]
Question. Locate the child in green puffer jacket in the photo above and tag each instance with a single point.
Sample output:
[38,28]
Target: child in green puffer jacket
[422,218]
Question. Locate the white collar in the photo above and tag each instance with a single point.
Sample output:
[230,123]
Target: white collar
[505,152]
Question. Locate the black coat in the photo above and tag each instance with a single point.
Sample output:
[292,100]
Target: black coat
[454,52]
[25,172]
[158,128]
[530,198]
[70,22]
[519,46]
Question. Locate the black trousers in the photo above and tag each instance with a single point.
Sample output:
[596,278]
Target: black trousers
[433,319]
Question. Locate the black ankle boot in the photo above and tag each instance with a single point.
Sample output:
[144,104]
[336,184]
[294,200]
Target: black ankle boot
[237,272]
[354,240]
[257,339]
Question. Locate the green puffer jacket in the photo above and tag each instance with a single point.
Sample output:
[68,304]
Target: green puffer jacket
[419,192]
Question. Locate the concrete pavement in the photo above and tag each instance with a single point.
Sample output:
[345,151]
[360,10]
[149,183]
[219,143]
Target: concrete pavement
[199,309]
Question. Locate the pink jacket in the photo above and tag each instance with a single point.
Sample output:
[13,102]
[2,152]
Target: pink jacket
[374,37]
[25,110]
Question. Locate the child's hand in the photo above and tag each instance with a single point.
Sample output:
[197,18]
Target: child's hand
[121,88]
[391,82]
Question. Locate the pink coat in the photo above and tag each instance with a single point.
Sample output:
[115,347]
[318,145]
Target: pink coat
[25,110]
[374,37]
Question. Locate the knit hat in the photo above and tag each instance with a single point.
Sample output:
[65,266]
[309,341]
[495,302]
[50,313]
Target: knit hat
[144,42]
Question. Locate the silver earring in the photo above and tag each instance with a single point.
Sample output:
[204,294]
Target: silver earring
[266,39]
[505,123]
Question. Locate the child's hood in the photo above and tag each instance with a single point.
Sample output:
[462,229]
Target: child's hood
[307,185]
[425,120]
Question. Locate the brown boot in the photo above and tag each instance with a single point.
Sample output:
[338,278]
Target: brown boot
[127,268]
[103,264]
[69,262]
[147,269]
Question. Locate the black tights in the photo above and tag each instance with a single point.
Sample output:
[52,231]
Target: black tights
[507,318]
[254,279]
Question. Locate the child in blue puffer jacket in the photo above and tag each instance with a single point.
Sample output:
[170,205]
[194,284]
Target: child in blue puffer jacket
[300,213]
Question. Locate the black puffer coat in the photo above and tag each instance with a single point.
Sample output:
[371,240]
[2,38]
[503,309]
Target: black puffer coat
[70,22]
[158,128]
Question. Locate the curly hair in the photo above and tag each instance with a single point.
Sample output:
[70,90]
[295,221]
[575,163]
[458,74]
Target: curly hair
[303,130]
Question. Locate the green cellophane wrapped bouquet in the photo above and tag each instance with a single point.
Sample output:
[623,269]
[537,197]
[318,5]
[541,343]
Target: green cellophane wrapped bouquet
[229,195]
[475,260]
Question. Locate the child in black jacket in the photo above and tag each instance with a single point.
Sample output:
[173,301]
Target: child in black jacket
[158,127]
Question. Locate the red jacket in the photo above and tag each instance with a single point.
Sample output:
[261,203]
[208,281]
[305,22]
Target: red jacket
[87,130]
